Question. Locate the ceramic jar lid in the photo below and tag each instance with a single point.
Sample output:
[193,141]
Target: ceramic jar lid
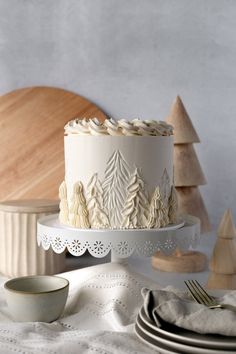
[30,206]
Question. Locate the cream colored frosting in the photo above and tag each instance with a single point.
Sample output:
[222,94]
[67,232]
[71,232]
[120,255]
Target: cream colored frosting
[96,127]
[79,216]
[158,213]
[112,127]
[136,127]
[77,126]
[95,204]
[144,128]
[136,207]
[128,128]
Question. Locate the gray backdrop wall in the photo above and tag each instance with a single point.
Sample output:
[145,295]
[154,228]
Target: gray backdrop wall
[132,57]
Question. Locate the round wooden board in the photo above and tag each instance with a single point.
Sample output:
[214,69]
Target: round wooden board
[31,138]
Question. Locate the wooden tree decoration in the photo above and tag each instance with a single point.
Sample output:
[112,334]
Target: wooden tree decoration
[136,210]
[223,261]
[188,174]
[78,209]
[64,210]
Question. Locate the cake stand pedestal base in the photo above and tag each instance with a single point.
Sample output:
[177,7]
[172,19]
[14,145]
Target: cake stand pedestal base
[189,262]
[115,259]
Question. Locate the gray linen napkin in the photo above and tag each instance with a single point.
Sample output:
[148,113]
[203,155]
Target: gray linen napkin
[162,306]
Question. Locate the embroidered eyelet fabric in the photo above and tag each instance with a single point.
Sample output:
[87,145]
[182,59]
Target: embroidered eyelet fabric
[99,316]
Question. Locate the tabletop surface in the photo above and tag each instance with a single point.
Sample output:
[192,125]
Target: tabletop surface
[101,309]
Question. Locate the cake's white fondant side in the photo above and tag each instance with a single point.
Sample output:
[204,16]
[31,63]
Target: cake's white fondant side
[64,210]
[86,155]
[114,160]
[173,206]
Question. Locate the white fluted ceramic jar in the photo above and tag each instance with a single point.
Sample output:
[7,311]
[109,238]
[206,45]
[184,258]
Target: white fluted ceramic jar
[19,252]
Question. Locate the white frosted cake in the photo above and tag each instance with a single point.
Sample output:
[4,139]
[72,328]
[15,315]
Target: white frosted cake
[118,175]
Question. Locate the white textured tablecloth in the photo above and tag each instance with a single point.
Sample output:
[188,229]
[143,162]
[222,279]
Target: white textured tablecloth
[99,316]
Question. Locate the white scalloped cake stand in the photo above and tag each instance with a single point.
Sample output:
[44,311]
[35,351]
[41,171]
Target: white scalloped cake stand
[122,243]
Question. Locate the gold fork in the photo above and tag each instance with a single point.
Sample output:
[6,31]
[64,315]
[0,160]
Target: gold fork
[202,297]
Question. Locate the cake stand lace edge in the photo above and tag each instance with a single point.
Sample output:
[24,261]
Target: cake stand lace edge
[121,243]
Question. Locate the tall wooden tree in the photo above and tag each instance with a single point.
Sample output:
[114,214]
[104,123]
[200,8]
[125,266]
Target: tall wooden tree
[188,174]
[223,260]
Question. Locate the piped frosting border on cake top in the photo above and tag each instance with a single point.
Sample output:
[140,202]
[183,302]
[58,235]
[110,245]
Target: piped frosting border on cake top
[122,127]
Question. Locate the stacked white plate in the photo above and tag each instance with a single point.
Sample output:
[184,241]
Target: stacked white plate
[175,340]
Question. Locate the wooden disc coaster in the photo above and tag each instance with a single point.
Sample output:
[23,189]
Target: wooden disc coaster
[189,262]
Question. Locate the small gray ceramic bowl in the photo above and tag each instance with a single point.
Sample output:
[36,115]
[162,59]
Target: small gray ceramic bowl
[36,298]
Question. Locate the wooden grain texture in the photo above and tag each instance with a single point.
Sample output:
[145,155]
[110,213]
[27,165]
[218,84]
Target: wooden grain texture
[221,281]
[226,228]
[30,206]
[189,262]
[188,171]
[223,261]
[184,131]
[31,139]
[190,202]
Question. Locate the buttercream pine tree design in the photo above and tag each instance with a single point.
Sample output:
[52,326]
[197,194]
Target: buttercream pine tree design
[158,213]
[223,260]
[97,216]
[78,210]
[115,187]
[136,207]
[188,174]
[173,206]
[64,209]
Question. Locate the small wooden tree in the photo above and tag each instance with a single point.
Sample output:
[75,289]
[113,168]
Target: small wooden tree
[223,261]
[188,174]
